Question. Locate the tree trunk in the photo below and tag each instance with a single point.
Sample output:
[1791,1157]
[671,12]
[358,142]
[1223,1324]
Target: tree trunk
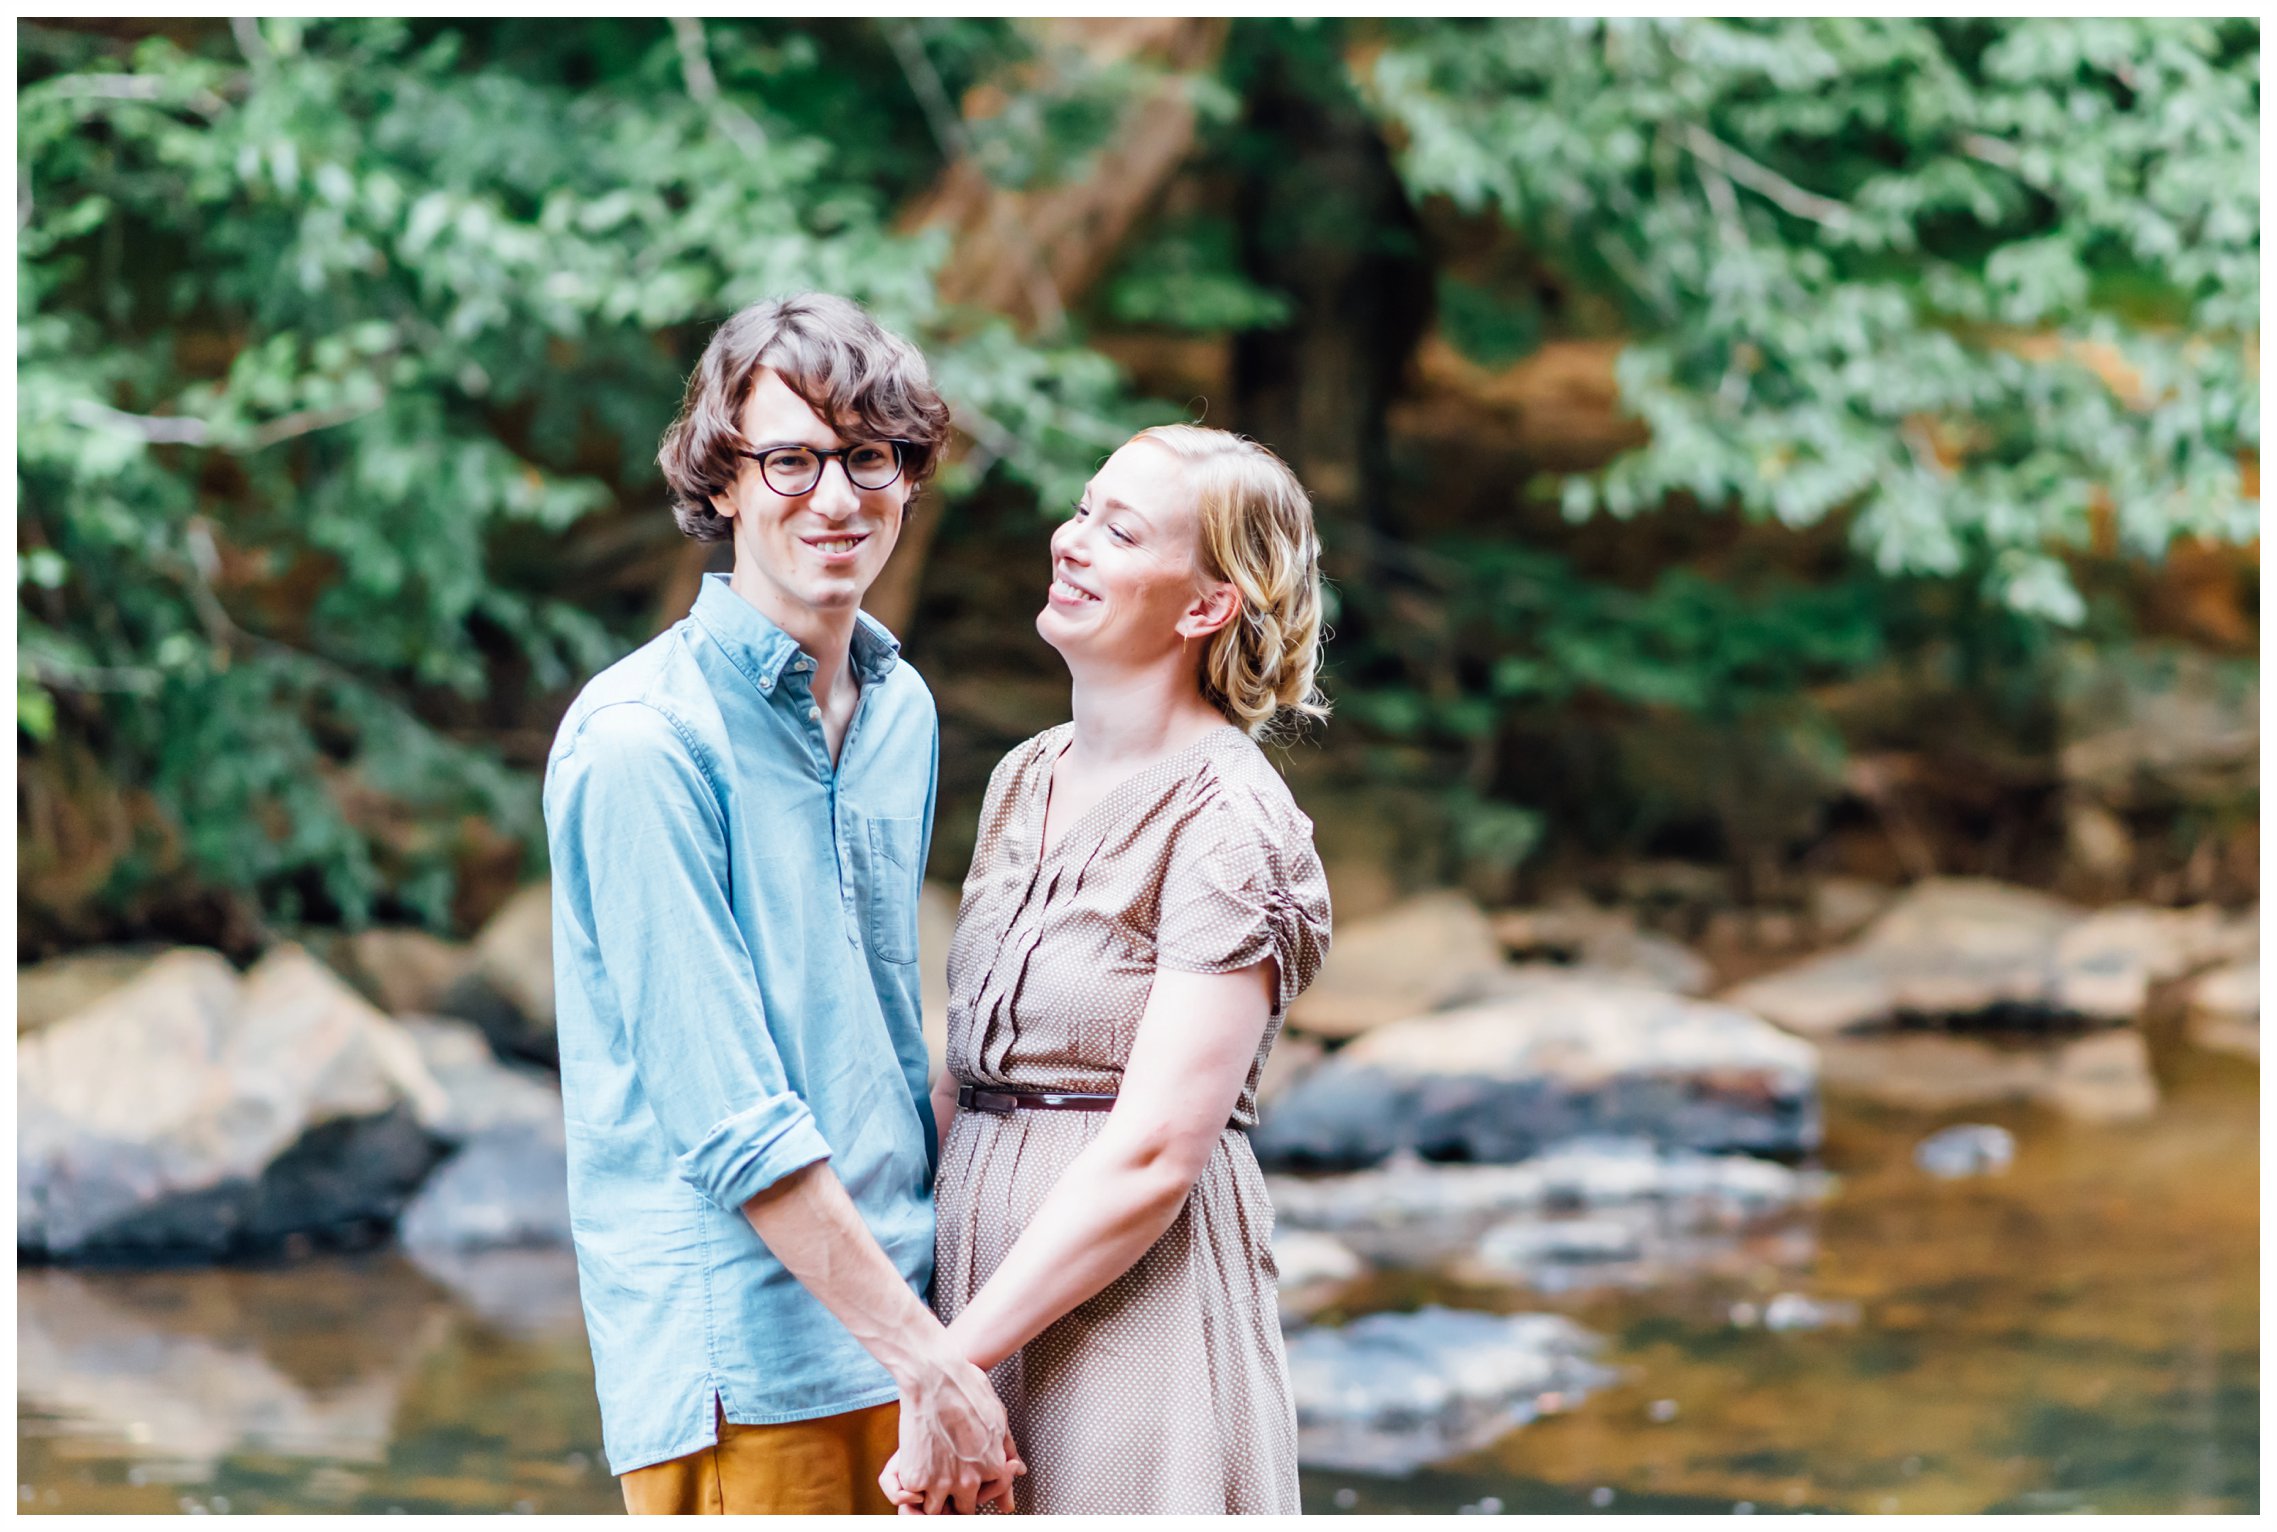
[1030,253]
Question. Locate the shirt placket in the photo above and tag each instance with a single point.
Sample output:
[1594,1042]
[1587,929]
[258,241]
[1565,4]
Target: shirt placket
[797,686]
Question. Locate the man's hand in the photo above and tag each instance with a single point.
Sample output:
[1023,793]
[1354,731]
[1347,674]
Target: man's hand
[911,1502]
[956,1448]
[954,1443]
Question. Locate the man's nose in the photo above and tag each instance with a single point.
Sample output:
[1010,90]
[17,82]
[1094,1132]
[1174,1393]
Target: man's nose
[834,494]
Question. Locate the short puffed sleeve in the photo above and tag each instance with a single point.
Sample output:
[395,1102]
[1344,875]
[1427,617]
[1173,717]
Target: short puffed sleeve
[1241,885]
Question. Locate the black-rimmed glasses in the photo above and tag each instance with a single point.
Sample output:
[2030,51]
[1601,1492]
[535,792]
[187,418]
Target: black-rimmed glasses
[791,468]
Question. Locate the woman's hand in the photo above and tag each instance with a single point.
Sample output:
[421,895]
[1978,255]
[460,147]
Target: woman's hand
[909,1499]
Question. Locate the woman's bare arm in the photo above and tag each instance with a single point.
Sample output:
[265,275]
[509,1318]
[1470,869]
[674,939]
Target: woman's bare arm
[1194,1048]
[944,1103]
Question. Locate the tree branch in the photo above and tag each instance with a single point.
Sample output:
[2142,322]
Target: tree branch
[703,85]
[190,431]
[137,87]
[1725,203]
[1996,152]
[1711,150]
[179,430]
[302,422]
[250,42]
[956,148]
[136,680]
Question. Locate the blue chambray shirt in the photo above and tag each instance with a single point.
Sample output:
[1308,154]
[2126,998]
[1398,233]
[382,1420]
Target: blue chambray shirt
[735,965]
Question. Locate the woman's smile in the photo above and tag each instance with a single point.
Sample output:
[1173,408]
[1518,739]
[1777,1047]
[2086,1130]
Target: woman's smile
[1066,592]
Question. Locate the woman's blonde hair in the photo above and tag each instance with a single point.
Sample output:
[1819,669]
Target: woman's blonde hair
[1256,533]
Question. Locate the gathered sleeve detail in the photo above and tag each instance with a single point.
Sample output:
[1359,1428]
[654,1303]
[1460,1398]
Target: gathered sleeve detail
[1244,884]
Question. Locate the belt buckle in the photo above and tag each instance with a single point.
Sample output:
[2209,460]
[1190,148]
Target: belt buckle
[996,1103]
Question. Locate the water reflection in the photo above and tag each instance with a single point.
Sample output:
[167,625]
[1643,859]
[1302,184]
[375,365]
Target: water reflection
[2079,1333]
[342,1383]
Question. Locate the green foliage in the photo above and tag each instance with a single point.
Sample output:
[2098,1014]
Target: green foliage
[317,318]
[344,347]
[1490,327]
[1966,281]
[1187,275]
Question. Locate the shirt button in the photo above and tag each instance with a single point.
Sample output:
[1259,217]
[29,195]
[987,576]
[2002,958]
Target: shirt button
[804,665]
[814,712]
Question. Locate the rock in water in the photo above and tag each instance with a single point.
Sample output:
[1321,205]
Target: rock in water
[1973,950]
[1412,1202]
[401,969]
[1431,951]
[508,1187]
[1312,1269]
[1966,1149]
[194,1112]
[2225,1010]
[48,992]
[1796,1311]
[509,992]
[2106,1078]
[1565,1059]
[1607,942]
[2101,1077]
[1591,1213]
[477,1093]
[1393,1392]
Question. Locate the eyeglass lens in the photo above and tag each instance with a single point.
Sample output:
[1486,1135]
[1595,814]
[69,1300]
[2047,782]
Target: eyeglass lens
[795,470]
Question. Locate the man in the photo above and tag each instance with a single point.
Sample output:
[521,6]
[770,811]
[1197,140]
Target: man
[739,813]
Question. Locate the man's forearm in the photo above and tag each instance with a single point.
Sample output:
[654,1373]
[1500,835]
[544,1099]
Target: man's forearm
[814,1229]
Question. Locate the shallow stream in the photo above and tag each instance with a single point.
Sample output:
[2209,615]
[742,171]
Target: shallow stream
[2079,1333]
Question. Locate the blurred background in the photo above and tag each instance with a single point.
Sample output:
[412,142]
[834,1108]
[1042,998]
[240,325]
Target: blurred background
[1790,493]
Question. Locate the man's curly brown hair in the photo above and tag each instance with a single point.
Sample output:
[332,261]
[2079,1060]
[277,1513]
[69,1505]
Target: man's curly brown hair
[862,379]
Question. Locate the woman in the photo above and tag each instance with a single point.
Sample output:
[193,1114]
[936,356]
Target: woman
[1144,903]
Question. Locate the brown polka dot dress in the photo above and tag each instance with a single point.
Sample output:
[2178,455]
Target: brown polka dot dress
[1168,1391]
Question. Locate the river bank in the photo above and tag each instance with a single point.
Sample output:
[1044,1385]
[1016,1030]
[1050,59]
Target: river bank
[2078,1332]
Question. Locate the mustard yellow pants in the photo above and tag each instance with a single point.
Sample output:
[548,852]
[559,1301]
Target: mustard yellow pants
[825,1467]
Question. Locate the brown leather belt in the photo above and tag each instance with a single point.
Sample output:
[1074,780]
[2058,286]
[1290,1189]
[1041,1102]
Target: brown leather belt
[1003,1102]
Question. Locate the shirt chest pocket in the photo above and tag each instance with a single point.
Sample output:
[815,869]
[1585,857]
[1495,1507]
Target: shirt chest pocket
[895,871]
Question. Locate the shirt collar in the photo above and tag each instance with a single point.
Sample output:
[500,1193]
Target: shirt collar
[760,649]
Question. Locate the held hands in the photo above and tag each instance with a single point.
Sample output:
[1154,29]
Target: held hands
[956,1451]
[910,1501]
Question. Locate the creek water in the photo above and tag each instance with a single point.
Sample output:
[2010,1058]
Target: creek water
[2079,1333]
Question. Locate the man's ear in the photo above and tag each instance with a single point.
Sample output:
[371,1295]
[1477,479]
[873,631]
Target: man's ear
[1217,604]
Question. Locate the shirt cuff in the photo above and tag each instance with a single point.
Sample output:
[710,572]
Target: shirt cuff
[745,1154]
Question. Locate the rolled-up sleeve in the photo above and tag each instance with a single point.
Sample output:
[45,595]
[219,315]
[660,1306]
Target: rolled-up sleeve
[635,829]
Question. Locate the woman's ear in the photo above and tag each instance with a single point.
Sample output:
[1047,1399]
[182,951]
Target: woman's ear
[1217,604]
